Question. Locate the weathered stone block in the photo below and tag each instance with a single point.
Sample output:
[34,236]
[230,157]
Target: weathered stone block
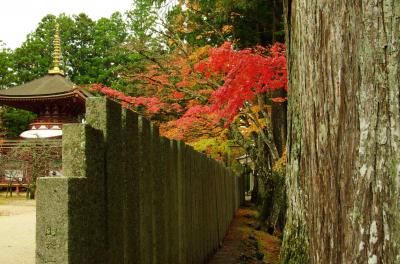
[83,156]
[61,221]
[173,212]
[160,147]
[106,116]
[131,195]
[181,174]
[145,192]
[190,198]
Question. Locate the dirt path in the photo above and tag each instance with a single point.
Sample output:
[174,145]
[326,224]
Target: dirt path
[17,230]
[242,245]
[245,245]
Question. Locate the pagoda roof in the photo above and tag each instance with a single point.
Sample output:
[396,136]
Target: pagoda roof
[51,89]
[49,86]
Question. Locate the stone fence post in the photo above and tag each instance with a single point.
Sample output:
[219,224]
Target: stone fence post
[129,195]
[70,219]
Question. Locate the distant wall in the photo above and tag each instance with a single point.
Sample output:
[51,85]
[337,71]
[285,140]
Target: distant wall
[129,195]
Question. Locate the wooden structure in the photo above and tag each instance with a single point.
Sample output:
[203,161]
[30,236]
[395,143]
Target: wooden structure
[56,101]
[54,98]
[16,172]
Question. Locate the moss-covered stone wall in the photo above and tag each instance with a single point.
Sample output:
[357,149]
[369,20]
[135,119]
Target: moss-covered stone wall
[131,196]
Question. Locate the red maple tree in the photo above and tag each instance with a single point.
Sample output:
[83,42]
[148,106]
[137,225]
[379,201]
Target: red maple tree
[244,74]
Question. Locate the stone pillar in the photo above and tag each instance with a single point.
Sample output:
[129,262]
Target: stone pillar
[60,236]
[131,195]
[173,213]
[228,215]
[146,189]
[231,193]
[203,233]
[70,214]
[181,180]
[236,191]
[165,145]
[212,205]
[194,190]
[188,206]
[206,206]
[159,163]
[105,115]
[219,194]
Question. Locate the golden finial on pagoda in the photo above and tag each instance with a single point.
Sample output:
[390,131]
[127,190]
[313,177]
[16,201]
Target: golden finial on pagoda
[56,52]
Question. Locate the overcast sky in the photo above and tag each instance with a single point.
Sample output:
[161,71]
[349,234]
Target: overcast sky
[20,17]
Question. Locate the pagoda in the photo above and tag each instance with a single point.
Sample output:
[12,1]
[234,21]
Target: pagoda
[53,98]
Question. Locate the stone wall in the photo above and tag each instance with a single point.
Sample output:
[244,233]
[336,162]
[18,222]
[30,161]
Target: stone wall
[129,195]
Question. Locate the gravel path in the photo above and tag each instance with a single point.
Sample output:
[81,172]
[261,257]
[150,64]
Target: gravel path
[17,231]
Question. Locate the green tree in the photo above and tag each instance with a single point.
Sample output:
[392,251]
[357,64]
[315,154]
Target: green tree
[15,121]
[33,57]
[91,49]
[142,21]
[211,22]
[7,72]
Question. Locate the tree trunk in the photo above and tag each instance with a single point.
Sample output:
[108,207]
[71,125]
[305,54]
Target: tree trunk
[343,174]
[279,121]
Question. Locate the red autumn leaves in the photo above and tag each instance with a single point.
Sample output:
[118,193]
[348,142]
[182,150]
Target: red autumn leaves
[246,73]
[243,74]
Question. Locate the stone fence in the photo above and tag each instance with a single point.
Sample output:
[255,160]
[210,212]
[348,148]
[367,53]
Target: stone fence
[129,195]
